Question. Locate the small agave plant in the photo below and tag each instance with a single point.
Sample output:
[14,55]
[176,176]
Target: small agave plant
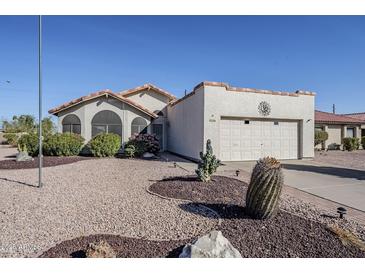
[264,190]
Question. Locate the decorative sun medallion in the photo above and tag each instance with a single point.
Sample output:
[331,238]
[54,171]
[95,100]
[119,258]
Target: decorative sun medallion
[264,108]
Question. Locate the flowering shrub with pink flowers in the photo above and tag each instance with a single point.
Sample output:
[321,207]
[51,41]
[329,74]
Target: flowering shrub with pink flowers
[142,143]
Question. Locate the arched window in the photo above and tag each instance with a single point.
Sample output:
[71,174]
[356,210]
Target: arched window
[158,112]
[71,123]
[106,121]
[139,125]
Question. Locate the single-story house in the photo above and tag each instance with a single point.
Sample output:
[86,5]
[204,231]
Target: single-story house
[338,126]
[242,123]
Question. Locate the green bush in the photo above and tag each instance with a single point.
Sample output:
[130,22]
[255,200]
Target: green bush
[320,137]
[351,144]
[138,147]
[11,138]
[363,142]
[130,151]
[29,143]
[105,145]
[63,144]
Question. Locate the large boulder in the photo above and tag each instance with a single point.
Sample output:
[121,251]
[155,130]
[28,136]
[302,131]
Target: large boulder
[100,250]
[212,245]
[23,156]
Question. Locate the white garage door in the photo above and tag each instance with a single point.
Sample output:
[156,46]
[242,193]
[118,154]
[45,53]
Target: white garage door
[242,140]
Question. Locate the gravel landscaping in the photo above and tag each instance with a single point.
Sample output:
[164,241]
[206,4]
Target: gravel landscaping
[349,159]
[299,230]
[103,196]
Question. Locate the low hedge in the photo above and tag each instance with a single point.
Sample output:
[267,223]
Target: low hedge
[351,144]
[63,144]
[363,142]
[29,143]
[320,137]
[105,145]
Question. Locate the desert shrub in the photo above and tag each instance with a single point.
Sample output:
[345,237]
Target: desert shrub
[363,142]
[29,143]
[350,144]
[138,147]
[264,190]
[320,137]
[208,164]
[11,138]
[149,142]
[63,144]
[144,143]
[105,145]
[130,151]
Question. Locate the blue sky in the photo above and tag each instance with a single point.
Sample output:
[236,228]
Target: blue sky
[83,54]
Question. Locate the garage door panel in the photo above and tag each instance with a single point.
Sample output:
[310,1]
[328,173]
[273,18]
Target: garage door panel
[255,139]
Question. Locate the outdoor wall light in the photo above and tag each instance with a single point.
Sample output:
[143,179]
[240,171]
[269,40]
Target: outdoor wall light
[237,172]
[342,211]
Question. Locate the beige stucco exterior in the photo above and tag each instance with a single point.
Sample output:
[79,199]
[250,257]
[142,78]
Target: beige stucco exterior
[189,122]
[197,118]
[127,113]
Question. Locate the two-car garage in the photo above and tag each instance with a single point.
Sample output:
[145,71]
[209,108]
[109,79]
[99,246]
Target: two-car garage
[250,139]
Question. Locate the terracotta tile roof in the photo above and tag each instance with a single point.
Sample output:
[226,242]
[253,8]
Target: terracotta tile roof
[101,93]
[330,118]
[237,89]
[148,87]
[359,115]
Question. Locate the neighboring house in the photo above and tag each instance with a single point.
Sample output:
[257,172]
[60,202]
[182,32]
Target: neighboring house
[338,126]
[243,123]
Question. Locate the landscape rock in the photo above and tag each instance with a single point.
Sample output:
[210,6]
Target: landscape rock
[212,245]
[148,155]
[100,250]
[23,157]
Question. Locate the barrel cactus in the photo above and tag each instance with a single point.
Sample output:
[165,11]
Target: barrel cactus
[263,193]
[208,164]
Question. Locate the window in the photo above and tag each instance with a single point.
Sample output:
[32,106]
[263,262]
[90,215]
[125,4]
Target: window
[71,123]
[247,122]
[106,121]
[139,125]
[318,128]
[276,123]
[350,132]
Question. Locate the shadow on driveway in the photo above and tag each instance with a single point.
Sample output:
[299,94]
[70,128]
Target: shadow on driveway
[327,170]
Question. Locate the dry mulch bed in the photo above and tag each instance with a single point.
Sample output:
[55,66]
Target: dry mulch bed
[285,235]
[48,161]
[125,247]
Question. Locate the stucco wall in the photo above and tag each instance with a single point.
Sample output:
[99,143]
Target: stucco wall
[186,125]
[87,111]
[150,100]
[334,135]
[220,102]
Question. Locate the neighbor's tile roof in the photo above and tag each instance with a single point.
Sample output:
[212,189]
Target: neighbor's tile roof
[148,87]
[101,93]
[330,118]
[359,115]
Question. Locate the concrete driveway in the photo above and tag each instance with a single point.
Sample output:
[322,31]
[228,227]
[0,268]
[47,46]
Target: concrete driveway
[342,185]
[339,184]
